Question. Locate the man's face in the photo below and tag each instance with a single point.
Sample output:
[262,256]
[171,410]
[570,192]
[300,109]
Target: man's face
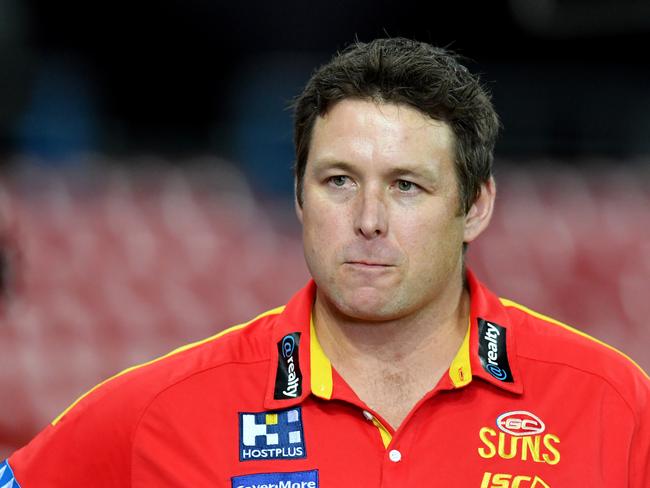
[382,230]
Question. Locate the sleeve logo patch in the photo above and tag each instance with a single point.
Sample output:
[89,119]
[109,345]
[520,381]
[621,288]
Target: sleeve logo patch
[271,435]
[297,479]
[492,350]
[7,479]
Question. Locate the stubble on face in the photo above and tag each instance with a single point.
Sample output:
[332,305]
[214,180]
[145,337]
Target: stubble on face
[376,252]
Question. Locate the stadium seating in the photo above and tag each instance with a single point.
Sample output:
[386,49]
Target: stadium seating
[108,268]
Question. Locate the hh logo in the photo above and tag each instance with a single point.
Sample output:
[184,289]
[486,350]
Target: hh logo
[271,435]
[505,480]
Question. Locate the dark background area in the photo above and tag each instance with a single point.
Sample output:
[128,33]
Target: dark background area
[175,79]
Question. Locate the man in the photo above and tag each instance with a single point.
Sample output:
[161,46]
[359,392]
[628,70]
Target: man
[395,366]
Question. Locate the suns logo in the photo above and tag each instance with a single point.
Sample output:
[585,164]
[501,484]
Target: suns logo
[521,435]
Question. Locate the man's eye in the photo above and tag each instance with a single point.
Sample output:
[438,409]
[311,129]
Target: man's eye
[338,180]
[403,185]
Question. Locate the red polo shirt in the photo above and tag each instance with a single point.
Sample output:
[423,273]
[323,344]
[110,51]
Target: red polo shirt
[527,403]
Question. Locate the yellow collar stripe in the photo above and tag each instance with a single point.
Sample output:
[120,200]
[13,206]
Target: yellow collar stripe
[460,370]
[320,367]
[386,436]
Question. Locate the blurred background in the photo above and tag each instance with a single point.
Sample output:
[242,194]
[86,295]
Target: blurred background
[145,171]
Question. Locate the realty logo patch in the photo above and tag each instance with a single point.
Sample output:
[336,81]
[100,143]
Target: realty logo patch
[288,378]
[492,350]
[271,435]
[297,479]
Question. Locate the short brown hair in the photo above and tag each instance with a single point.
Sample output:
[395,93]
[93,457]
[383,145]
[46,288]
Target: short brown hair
[403,71]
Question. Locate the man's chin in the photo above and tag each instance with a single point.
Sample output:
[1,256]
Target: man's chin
[368,305]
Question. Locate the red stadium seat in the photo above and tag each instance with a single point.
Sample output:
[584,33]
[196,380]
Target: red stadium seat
[119,268]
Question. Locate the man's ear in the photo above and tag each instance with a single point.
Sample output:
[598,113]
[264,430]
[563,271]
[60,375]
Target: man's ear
[296,204]
[480,213]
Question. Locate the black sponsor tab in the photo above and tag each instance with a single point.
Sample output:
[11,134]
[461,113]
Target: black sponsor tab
[288,378]
[492,350]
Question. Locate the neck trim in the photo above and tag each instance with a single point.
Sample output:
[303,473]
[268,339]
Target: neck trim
[320,366]
[318,375]
[460,370]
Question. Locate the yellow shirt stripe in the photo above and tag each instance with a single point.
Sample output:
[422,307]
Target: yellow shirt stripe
[274,311]
[510,303]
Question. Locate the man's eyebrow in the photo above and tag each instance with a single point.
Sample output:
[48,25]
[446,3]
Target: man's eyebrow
[327,164]
[427,173]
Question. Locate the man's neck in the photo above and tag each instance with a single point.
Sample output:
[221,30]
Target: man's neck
[392,364]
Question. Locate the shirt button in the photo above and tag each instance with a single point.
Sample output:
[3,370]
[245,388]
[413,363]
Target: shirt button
[367,415]
[395,456]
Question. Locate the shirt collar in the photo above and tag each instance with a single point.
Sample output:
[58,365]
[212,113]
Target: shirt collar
[492,335]
[296,319]
[489,330]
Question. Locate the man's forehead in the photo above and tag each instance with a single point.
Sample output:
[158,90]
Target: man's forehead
[365,130]
[408,114]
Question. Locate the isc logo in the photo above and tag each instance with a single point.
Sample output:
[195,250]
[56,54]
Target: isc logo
[506,480]
[520,422]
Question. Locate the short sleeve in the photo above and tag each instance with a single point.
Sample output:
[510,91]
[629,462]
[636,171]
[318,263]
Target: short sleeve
[640,448]
[90,445]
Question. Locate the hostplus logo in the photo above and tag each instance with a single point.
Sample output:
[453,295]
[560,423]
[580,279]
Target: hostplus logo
[271,435]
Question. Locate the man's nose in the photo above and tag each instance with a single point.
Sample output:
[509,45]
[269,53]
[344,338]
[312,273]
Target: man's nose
[371,214]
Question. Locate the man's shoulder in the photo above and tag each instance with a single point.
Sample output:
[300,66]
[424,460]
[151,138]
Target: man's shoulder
[246,343]
[102,423]
[544,340]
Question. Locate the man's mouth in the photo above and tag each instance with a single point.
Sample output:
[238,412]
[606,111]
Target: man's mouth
[368,264]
